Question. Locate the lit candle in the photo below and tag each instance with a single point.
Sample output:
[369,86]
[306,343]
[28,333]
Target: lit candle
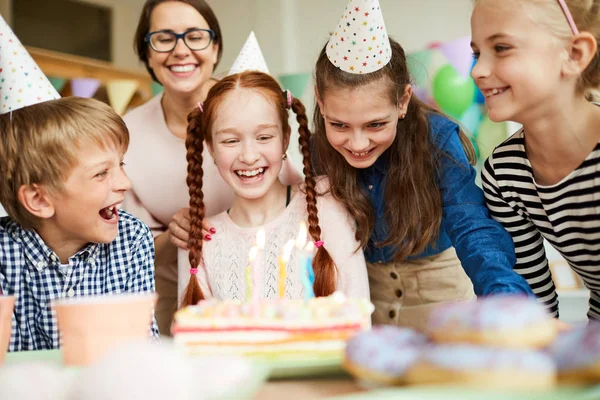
[283,260]
[252,292]
[309,250]
[259,263]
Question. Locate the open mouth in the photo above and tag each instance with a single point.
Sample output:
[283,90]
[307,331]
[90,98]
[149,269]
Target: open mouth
[250,174]
[182,69]
[109,213]
[362,154]
[492,92]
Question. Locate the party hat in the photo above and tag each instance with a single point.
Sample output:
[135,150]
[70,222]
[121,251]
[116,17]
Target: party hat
[360,43]
[22,83]
[250,58]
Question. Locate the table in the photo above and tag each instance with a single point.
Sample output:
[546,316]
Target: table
[302,389]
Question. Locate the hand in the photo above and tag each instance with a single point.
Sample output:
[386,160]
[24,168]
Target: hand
[561,326]
[179,229]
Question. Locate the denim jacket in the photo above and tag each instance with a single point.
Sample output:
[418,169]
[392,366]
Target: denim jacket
[485,249]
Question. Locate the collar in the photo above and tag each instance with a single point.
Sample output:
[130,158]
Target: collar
[41,256]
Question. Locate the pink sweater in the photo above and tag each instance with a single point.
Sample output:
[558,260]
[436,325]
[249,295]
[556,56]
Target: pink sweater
[226,255]
[157,167]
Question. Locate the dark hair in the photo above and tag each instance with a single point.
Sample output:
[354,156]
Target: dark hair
[141,47]
[199,125]
[413,202]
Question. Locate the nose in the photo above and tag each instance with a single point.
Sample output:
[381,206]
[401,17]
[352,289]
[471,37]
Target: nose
[359,141]
[480,70]
[181,49]
[249,154]
[122,182]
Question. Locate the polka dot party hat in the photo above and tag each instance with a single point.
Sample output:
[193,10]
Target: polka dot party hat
[360,44]
[22,83]
[250,58]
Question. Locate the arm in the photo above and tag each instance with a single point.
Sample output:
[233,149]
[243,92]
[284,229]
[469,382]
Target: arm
[337,232]
[531,260]
[484,248]
[142,265]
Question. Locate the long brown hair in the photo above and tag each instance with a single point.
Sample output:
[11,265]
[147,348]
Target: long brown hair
[413,202]
[141,47]
[198,132]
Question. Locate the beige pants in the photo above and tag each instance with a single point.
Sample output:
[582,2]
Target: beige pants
[405,293]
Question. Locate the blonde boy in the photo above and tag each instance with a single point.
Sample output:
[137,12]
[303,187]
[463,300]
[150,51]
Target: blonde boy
[62,181]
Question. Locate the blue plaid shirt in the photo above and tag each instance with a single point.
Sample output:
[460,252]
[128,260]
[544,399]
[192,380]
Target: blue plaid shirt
[31,271]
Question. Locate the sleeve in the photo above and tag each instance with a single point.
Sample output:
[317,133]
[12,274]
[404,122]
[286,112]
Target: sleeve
[134,206]
[531,261]
[484,248]
[142,262]
[337,233]
[183,273]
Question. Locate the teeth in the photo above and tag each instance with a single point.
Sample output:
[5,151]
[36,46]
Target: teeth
[182,68]
[492,92]
[360,154]
[250,173]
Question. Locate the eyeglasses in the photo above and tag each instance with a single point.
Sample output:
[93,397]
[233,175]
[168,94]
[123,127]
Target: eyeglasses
[166,40]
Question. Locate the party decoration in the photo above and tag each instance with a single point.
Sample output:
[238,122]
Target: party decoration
[296,83]
[471,118]
[490,135]
[57,83]
[250,58]
[84,87]
[22,83]
[120,93]
[156,88]
[360,43]
[453,93]
[459,54]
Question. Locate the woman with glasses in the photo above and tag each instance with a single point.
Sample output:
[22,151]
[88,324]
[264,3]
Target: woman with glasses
[180,43]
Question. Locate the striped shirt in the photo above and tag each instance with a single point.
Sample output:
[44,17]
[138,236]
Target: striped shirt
[567,214]
[32,272]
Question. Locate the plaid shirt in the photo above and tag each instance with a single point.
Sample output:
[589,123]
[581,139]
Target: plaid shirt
[30,270]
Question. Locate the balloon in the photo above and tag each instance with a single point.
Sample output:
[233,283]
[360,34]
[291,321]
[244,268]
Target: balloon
[471,118]
[490,135]
[453,93]
[459,54]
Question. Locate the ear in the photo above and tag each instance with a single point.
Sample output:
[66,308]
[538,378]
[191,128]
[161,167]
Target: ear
[215,53]
[404,101]
[286,139]
[319,101]
[36,200]
[582,51]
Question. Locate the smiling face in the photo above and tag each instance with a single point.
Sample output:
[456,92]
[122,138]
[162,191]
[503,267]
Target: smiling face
[519,61]
[181,71]
[361,123]
[248,143]
[86,209]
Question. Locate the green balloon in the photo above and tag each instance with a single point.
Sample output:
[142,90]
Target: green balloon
[453,93]
[490,135]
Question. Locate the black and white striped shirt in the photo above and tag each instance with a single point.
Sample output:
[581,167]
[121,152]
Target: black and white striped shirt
[566,214]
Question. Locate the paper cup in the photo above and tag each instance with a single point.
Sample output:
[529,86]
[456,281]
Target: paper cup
[91,327]
[7,306]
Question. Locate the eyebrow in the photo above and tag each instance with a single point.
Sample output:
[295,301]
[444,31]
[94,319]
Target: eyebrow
[368,122]
[495,37]
[259,128]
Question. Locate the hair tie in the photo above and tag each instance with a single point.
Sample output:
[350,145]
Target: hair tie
[193,271]
[200,106]
[569,17]
[289,98]
[319,243]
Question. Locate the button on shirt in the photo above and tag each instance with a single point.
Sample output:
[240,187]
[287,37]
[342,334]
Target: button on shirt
[485,249]
[31,270]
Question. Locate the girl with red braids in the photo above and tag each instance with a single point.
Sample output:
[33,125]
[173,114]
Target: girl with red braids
[244,123]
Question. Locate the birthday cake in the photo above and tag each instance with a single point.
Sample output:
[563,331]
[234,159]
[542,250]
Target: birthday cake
[272,328]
